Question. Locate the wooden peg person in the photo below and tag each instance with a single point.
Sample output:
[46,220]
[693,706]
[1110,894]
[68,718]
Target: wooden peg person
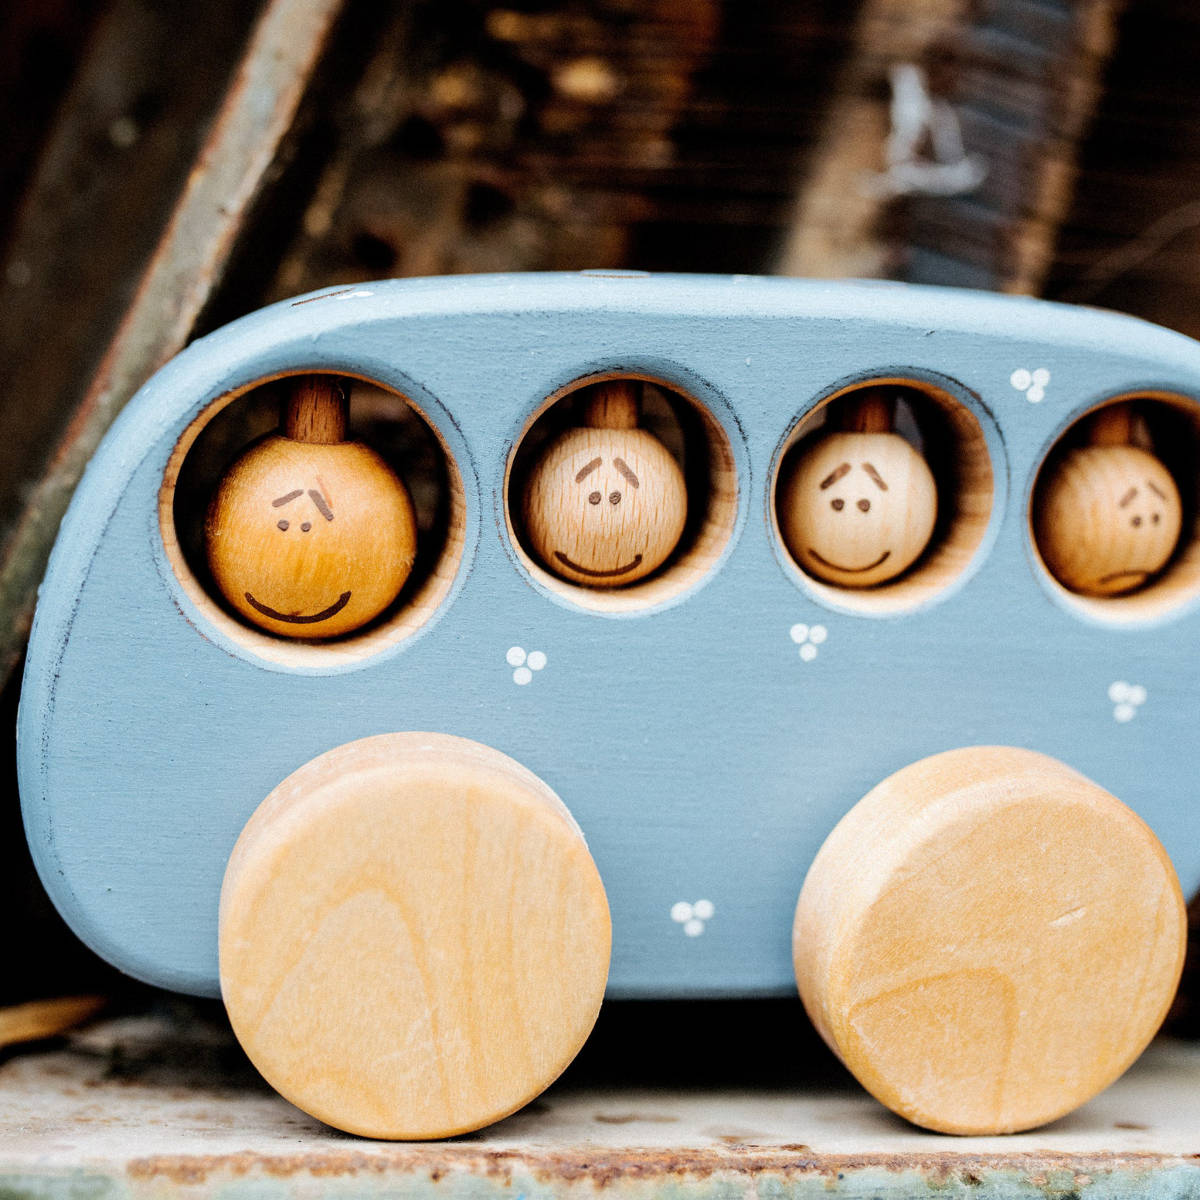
[606,504]
[310,535]
[1109,515]
[859,506]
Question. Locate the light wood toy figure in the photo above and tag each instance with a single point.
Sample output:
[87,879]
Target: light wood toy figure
[1109,517]
[606,504]
[859,507]
[310,535]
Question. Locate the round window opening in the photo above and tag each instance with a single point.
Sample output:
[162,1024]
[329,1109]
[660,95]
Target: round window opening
[314,519]
[1113,517]
[621,493]
[882,495]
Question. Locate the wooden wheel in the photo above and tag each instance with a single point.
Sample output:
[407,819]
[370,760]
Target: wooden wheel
[988,939]
[414,939]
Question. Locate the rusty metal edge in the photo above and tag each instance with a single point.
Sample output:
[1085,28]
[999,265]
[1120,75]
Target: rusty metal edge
[604,1165]
[230,173]
[444,1170]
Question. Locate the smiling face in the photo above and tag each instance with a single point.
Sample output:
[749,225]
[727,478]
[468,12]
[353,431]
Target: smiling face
[858,508]
[605,507]
[310,541]
[1107,519]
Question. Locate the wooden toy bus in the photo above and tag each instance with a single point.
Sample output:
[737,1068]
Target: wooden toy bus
[420,662]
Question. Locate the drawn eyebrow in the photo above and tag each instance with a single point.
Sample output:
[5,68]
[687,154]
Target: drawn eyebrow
[621,466]
[834,476]
[288,498]
[1129,495]
[584,472]
[875,476]
[1160,495]
[319,501]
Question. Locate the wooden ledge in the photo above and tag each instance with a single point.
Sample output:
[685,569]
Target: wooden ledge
[134,1107]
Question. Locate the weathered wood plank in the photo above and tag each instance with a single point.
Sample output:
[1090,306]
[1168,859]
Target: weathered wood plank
[183,1114]
[1038,69]
[183,260]
[1021,79]
[1132,237]
[835,228]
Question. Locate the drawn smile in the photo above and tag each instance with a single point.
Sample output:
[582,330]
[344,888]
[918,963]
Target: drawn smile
[1123,575]
[294,619]
[562,558]
[851,570]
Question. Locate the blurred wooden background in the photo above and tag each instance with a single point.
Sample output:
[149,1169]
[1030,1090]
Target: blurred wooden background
[171,164]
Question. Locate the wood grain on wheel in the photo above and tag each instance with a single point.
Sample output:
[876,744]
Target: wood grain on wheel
[988,939]
[414,939]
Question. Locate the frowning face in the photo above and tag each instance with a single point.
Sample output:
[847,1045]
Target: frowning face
[605,507]
[1107,519]
[858,508]
[310,540]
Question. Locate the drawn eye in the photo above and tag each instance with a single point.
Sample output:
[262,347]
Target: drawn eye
[614,497]
[305,527]
[1156,518]
[283,526]
[864,504]
[837,505]
[1135,521]
[594,498]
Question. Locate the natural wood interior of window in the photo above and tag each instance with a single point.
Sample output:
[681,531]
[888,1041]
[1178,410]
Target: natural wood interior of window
[958,455]
[414,606]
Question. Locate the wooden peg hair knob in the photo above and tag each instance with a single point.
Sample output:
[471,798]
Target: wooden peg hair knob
[858,507]
[613,404]
[988,939]
[606,503]
[872,410]
[316,411]
[1108,516]
[309,535]
[414,939]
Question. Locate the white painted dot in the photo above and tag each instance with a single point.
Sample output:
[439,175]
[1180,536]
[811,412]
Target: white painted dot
[817,634]
[808,652]
[798,633]
[1041,377]
[536,660]
[681,911]
[694,928]
[1035,395]
[1118,692]
[1137,694]
[1020,379]
[515,656]
[704,909]
[522,675]
[1124,712]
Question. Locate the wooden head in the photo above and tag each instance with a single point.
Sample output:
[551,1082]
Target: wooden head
[606,504]
[308,535]
[859,506]
[1109,516]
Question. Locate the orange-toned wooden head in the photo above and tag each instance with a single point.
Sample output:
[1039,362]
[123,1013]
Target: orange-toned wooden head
[308,535]
[1109,516]
[859,506]
[606,504]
